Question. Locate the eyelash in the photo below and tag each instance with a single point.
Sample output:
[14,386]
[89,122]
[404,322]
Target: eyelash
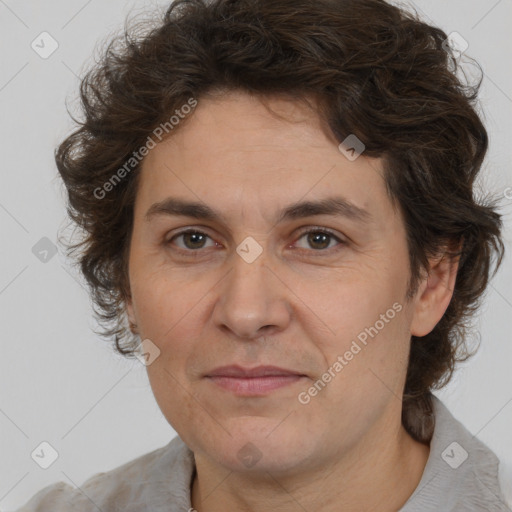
[325,231]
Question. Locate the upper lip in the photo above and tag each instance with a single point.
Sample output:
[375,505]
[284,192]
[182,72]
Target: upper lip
[259,371]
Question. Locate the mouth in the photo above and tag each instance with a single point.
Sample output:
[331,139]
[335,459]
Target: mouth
[257,381]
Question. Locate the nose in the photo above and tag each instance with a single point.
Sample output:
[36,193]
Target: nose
[252,300]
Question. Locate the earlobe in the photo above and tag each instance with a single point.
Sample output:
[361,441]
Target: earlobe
[434,295]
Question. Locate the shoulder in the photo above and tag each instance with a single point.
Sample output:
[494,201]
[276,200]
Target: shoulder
[473,467]
[161,474]
[462,473]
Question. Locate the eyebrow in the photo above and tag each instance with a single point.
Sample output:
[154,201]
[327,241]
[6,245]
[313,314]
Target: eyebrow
[333,206]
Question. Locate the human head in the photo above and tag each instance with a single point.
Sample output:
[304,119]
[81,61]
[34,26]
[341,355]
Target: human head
[369,68]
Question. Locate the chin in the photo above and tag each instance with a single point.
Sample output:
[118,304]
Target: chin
[263,445]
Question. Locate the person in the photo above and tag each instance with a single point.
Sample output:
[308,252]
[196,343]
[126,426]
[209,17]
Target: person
[279,217]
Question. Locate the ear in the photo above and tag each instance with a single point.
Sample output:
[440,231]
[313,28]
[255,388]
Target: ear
[434,294]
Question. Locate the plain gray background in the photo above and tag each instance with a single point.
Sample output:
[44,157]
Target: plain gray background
[62,384]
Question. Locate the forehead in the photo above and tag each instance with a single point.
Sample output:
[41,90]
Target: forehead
[235,154]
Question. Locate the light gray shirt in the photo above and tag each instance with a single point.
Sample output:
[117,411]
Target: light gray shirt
[461,475]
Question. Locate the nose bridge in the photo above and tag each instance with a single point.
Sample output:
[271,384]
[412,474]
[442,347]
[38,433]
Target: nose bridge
[251,297]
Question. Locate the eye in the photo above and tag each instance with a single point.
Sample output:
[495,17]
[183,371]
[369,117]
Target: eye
[319,239]
[192,240]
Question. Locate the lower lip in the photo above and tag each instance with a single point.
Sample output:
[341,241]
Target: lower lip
[252,386]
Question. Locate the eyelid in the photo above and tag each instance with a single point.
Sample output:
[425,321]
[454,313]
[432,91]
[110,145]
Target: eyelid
[315,229]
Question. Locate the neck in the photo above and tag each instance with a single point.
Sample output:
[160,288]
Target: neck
[378,474]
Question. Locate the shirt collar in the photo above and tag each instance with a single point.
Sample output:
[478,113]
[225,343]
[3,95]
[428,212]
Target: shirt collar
[460,472]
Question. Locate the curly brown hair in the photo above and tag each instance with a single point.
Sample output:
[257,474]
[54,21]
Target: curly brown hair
[374,70]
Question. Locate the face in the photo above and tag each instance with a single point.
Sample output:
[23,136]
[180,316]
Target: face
[283,328]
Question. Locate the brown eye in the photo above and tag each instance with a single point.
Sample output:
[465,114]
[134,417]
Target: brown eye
[320,239]
[194,240]
[191,240]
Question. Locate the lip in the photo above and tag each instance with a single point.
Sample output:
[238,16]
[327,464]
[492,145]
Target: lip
[257,381]
[258,371]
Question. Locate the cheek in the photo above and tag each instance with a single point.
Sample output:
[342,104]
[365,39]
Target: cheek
[348,305]
[172,312]
[162,300]
[171,395]
[366,324]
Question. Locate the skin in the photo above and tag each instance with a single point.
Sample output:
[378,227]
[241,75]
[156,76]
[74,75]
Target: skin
[299,305]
